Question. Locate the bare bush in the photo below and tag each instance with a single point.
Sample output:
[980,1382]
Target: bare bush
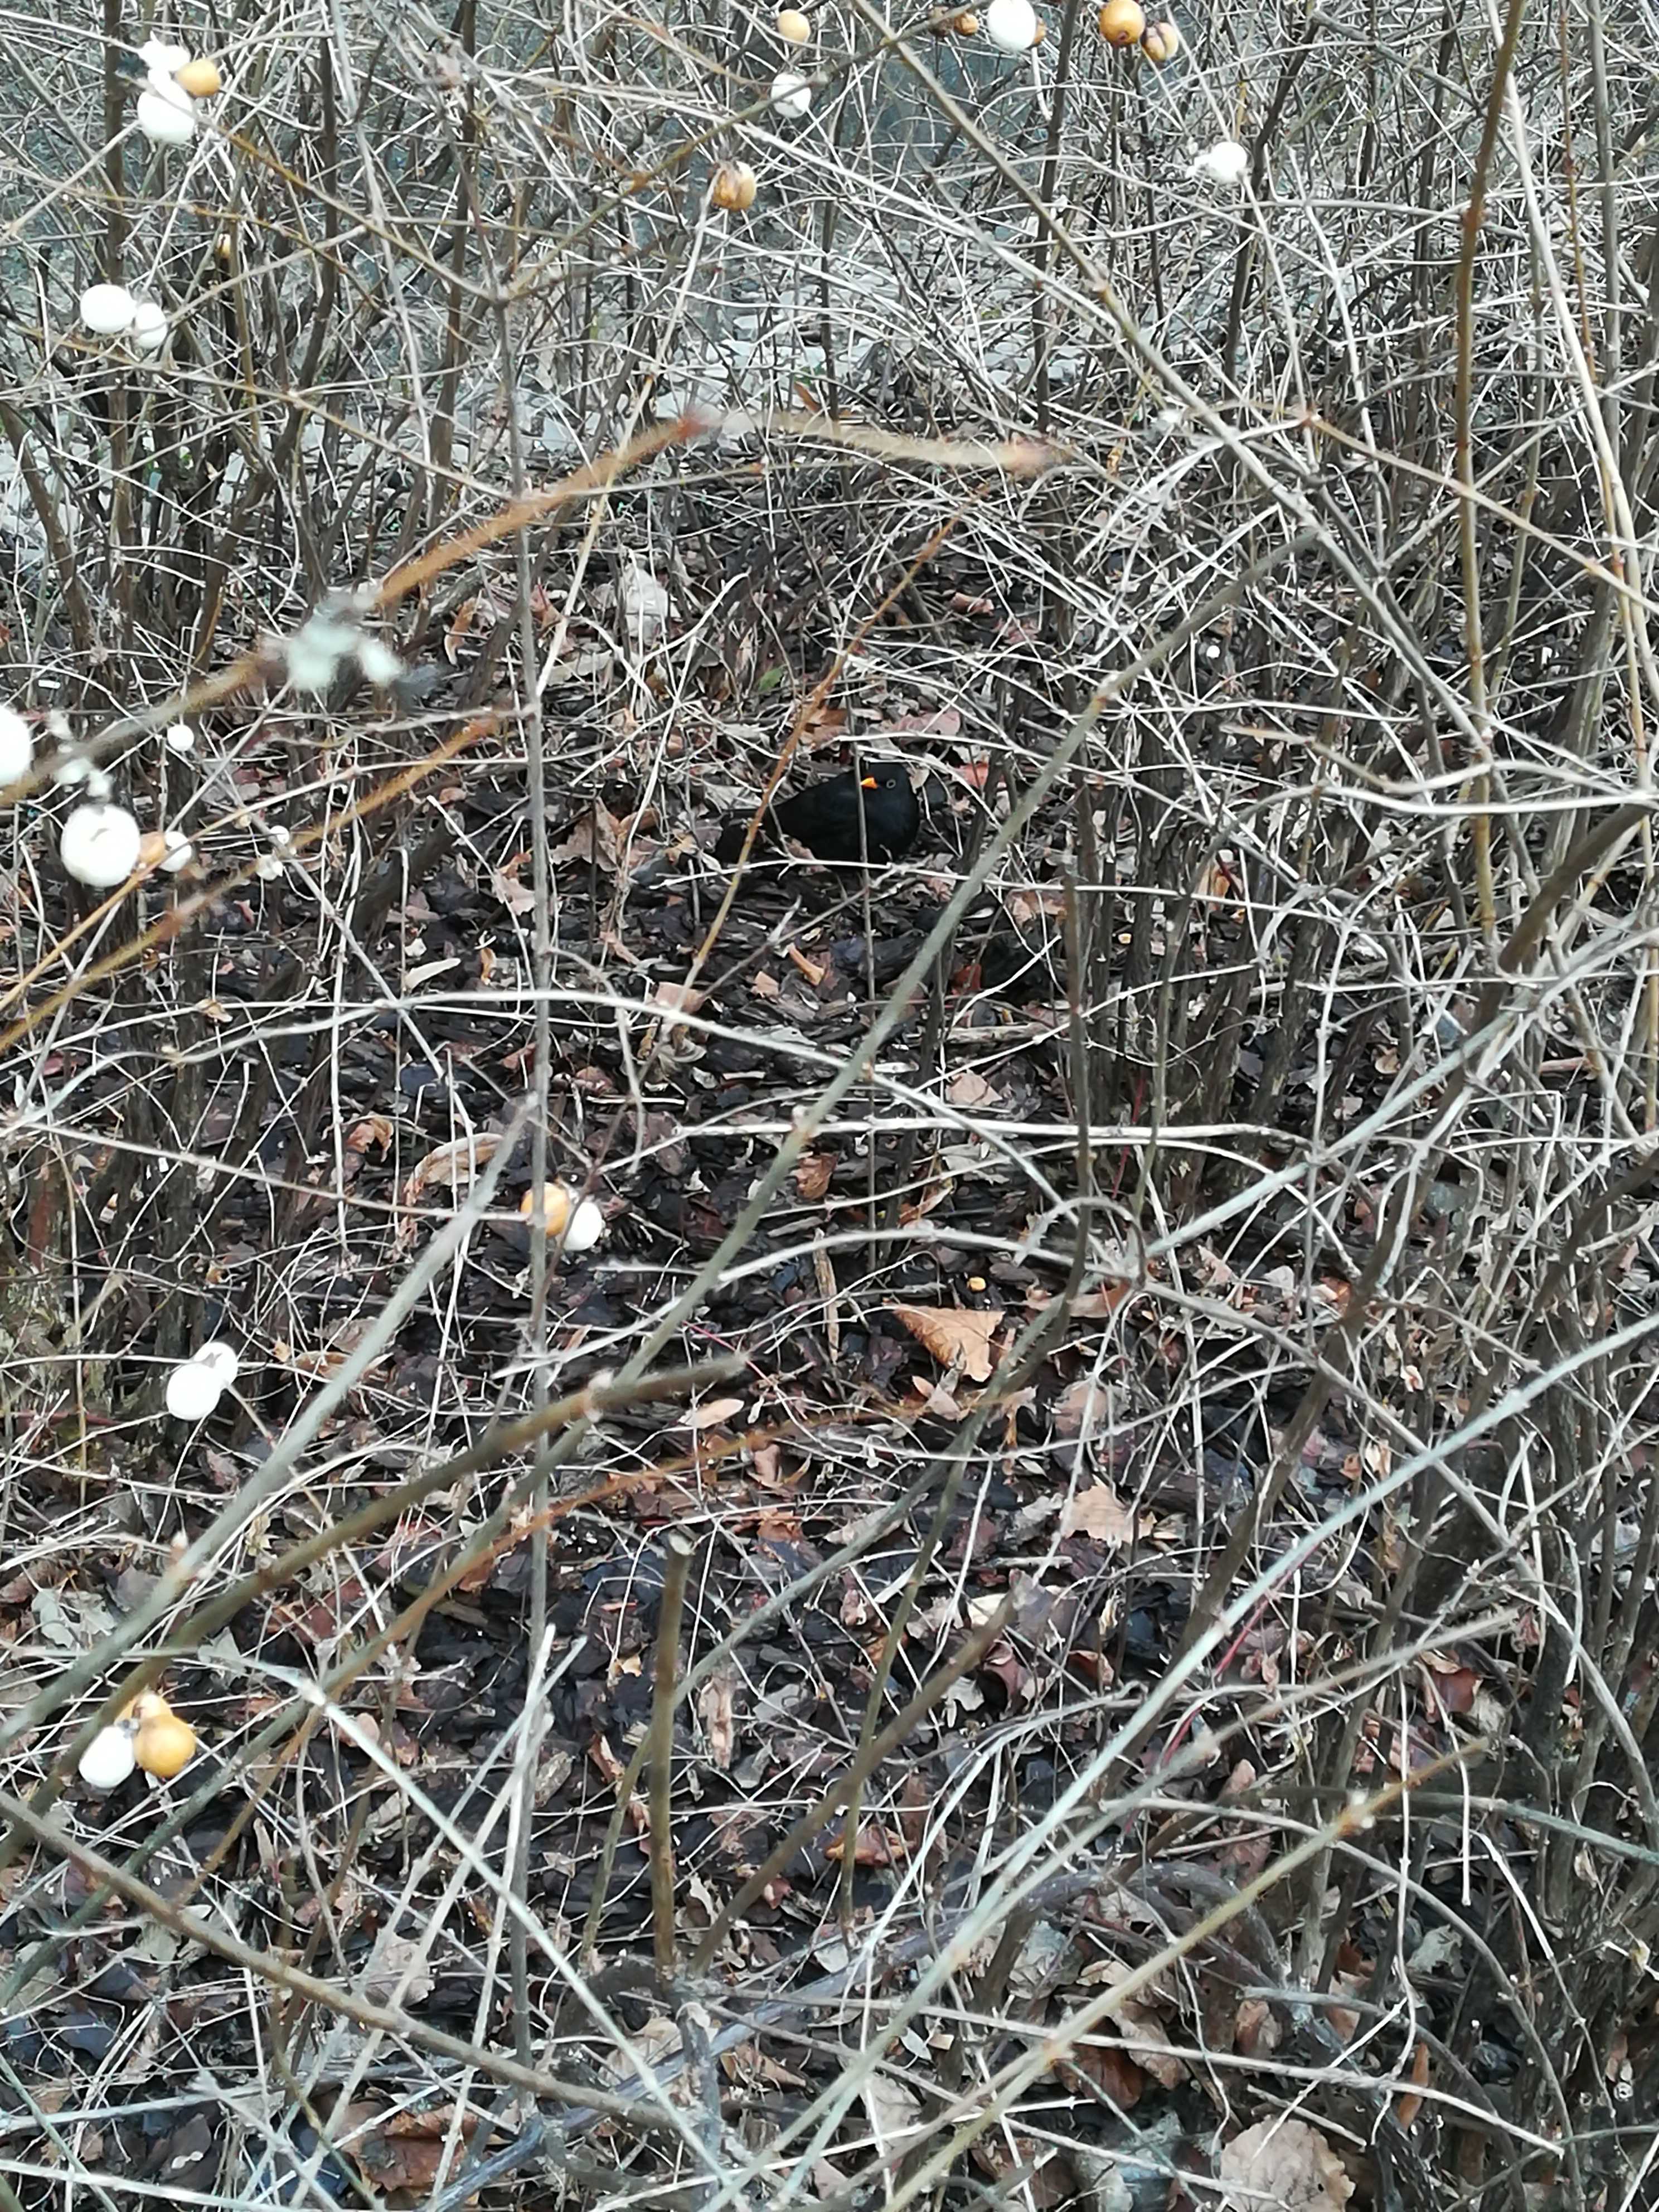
[1053,1600]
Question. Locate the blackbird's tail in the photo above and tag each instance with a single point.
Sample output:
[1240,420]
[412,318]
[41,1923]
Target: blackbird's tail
[729,850]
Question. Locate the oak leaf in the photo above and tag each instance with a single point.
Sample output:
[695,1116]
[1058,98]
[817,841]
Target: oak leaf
[1283,2163]
[957,1336]
[1099,1512]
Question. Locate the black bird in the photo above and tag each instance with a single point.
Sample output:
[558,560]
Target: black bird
[824,818]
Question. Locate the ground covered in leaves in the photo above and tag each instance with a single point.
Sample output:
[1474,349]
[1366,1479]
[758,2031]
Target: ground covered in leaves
[1006,1847]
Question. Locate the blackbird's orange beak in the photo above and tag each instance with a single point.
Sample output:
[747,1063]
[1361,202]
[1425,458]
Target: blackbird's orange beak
[867,783]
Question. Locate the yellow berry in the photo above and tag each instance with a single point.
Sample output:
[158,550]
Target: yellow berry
[200,79]
[1121,22]
[1160,42]
[556,1200]
[164,1745]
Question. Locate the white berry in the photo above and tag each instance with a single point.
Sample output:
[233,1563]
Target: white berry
[792,95]
[163,122]
[107,308]
[1011,26]
[193,1391]
[16,746]
[100,846]
[107,1759]
[149,332]
[586,1227]
[1226,162]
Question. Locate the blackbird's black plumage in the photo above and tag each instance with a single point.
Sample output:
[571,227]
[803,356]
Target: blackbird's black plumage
[824,818]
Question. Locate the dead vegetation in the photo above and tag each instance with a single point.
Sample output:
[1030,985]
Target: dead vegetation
[1060,1611]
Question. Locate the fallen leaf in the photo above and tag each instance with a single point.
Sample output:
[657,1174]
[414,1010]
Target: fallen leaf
[659,2038]
[813,1174]
[1286,2164]
[1098,1512]
[1454,1689]
[398,1973]
[453,1163]
[1409,2106]
[711,1414]
[405,2150]
[516,897]
[971,1090]
[1256,2031]
[1141,2029]
[1110,2068]
[460,625]
[874,1847]
[957,1336]
[824,1269]
[595,836]
[715,1711]
[895,2111]
[1079,1411]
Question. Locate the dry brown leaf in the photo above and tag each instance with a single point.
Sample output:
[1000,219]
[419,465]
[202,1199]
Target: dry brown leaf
[460,625]
[1285,2164]
[1142,2030]
[824,1268]
[711,1414]
[969,1090]
[1100,1513]
[403,2150]
[1096,1305]
[1028,906]
[872,1847]
[1409,2106]
[398,1973]
[453,1163]
[657,2039]
[813,1174]
[957,1336]
[373,1130]
[1110,2068]
[715,1711]
[1255,2028]
[1079,1411]
[516,895]
[595,836]
[895,2111]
